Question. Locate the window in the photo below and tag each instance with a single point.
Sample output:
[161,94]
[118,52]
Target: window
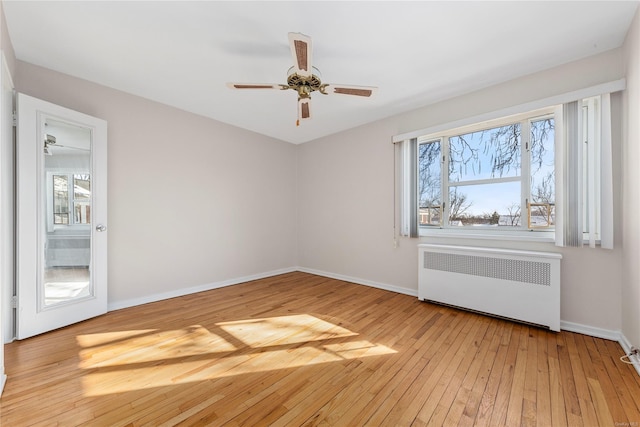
[71,198]
[430,182]
[494,175]
[543,175]
[60,199]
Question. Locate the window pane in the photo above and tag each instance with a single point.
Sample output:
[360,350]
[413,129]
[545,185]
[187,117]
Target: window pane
[61,218]
[82,213]
[492,153]
[81,187]
[541,215]
[60,199]
[429,183]
[488,205]
[543,192]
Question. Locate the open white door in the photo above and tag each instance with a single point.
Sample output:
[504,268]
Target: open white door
[61,216]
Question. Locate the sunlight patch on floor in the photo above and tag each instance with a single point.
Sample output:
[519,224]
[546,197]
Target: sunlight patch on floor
[285,330]
[141,359]
[136,347]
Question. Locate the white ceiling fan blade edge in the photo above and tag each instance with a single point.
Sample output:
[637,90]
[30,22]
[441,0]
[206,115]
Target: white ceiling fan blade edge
[236,85]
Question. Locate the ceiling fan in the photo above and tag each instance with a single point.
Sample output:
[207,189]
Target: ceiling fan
[305,78]
[50,141]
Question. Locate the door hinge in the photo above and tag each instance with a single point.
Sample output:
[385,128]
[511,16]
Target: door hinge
[14,119]
[14,301]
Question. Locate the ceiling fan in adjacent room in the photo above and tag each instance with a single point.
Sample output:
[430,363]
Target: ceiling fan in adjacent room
[305,78]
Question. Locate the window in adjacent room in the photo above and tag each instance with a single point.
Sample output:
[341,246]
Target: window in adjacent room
[71,198]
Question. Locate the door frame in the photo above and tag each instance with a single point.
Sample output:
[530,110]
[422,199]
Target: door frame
[7,212]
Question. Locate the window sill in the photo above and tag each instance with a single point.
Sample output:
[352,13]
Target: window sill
[515,235]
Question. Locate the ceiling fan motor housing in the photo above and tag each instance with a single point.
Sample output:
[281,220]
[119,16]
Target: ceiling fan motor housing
[305,85]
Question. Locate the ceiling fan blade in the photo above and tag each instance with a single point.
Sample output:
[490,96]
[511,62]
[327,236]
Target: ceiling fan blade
[253,86]
[301,52]
[365,91]
[304,109]
[71,147]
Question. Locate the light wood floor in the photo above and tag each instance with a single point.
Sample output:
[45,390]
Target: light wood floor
[299,349]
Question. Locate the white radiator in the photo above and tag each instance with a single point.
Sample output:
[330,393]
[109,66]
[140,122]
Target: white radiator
[518,285]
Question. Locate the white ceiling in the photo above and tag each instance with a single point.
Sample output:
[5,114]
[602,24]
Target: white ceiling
[183,53]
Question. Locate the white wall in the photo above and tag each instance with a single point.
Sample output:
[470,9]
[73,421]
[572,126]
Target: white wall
[631,180]
[192,202]
[346,197]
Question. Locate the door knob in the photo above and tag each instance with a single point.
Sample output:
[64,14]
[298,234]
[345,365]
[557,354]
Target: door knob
[101,227]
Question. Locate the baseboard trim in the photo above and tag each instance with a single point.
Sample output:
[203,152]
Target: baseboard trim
[606,334]
[118,305]
[626,346]
[359,281]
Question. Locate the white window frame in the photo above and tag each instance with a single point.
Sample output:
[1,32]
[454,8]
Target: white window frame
[605,223]
[515,232]
[49,196]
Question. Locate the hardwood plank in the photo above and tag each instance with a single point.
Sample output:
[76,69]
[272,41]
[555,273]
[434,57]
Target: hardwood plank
[472,406]
[572,406]
[474,378]
[299,349]
[501,404]
[600,403]
[543,389]
[516,394]
[624,383]
[626,411]
[487,403]
[529,402]
[602,383]
[419,365]
[410,403]
[582,386]
[441,402]
[558,407]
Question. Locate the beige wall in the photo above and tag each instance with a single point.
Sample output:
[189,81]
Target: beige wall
[346,197]
[191,201]
[631,179]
